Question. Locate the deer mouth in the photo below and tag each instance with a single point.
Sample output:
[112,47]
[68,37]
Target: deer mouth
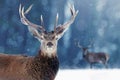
[49,48]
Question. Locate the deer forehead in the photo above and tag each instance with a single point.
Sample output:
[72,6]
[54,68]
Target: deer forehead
[49,35]
[85,48]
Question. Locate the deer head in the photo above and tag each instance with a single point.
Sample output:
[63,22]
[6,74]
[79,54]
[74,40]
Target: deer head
[48,39]
[84,49]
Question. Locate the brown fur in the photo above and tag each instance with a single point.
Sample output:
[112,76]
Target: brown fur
[18,67]
[93,57]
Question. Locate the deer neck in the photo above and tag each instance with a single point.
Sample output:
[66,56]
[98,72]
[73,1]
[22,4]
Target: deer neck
[44,67]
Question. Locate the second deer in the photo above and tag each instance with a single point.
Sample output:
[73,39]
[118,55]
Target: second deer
[94,57]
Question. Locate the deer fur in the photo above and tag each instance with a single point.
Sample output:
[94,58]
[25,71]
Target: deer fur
[18,67]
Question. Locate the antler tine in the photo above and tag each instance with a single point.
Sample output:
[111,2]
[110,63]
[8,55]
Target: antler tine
[23,17]
[72,9]
[25,21]
[42,22]
[30,7]
[20,10]
[21,13]
[77,43]
[91,43]
[56,21]
[73,12]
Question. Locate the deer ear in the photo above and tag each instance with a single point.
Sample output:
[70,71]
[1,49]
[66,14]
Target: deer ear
[60,31]
[35,33]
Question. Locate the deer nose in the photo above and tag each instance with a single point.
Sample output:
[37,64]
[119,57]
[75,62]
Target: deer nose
[49,44]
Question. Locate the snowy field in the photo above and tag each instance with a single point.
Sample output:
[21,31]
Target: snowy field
[88,74]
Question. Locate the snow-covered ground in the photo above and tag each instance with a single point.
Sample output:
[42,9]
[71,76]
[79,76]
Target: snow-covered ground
[101,74]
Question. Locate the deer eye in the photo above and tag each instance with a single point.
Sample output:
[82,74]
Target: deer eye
[52,31]
[41,37]
[45,37]
[53,37]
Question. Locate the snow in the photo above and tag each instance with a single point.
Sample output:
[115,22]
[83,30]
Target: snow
[89,74]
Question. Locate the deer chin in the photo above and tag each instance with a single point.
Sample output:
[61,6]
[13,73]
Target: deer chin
[50,49]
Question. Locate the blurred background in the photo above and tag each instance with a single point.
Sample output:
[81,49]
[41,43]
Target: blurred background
[98,20]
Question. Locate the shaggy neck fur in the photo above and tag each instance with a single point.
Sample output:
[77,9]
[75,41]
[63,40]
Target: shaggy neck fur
[43,67]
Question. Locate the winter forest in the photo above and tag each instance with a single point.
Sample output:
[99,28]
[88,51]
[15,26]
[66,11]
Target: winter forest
[97,20]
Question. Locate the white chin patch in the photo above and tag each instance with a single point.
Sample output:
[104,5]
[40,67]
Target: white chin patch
[50,49]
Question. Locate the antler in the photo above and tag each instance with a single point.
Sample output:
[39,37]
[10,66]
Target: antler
[56,21]
[68,23]
[42,22]
[77,43]
[73,13]
[91,43]
[25,21]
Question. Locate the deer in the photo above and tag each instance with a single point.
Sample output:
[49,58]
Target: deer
[44,65]
[93,57]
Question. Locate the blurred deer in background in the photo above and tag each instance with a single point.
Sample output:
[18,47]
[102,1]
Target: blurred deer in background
[93,57]
[44,66]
